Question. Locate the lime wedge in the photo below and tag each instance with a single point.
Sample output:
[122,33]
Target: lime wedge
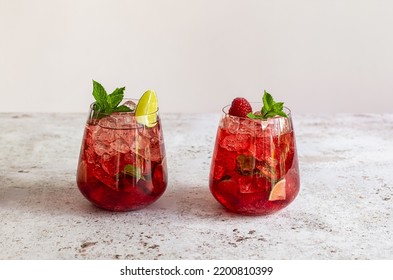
[146,109]
[278,191]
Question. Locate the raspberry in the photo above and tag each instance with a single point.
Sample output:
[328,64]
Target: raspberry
[240,107]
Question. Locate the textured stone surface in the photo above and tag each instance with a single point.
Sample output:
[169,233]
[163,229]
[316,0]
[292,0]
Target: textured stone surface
[344,209]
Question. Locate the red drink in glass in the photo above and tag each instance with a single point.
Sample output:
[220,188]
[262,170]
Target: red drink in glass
[254,167]
[122,163]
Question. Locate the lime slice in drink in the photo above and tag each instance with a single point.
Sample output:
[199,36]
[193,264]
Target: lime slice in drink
[146,109]
[278,191]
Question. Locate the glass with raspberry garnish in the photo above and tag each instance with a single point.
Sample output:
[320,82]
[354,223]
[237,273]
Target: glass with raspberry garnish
[122,163]
[254,168]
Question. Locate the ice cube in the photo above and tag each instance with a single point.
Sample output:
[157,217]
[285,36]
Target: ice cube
[259,130]
[247,127]
[277,126]
[101,139]
[130,104]
[141,144]
[261,148]
[128,135]
[230,123]
[151,133]
[104,135]
[106,157]
[109,164]
[121,146]
[149,150]
[125,121]
[155,153]
[101,148]
[107,122]
[108,180]
[236,142]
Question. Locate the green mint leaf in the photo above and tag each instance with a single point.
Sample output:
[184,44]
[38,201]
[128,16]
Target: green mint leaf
[97,107]
[133,171]
[282,114]
[245,164]
[116,97]
[100,95]
[267,100]
[270,115]
[270,108]
[106,104]
[122,108]
[266,170]
[279,106]
[251,115]
[99,91]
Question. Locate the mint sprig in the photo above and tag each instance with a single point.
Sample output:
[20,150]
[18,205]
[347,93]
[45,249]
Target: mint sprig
[108,103]
[245,164]
[133,171]
[270,108]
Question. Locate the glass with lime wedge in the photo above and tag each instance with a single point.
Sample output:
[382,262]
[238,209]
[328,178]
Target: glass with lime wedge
[122,163]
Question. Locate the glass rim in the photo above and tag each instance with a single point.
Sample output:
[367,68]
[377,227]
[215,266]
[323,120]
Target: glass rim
[122,102]
[225,110]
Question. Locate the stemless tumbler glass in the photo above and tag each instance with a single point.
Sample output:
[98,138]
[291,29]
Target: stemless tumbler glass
[122,164]
[254,168]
